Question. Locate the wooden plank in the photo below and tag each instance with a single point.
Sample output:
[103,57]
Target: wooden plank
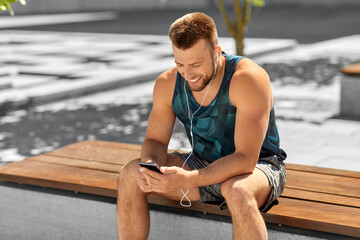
[338,185]
[328,171]
[101,151]
[321,197]
[316,216]
[84,145]
[61,177]
[80,163]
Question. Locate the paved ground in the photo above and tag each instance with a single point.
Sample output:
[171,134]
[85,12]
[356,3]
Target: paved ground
[47,66]
[39,66]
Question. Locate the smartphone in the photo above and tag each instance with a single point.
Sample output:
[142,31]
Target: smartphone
[151,166]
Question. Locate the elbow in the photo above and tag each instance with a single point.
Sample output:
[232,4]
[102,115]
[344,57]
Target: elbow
[247,161]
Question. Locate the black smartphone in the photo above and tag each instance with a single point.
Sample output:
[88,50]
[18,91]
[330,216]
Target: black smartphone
[151,166]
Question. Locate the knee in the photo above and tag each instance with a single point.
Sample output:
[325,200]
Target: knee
[128,174]
[238,196]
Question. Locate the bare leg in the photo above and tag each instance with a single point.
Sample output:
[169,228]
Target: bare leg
[244,195]
[133,217]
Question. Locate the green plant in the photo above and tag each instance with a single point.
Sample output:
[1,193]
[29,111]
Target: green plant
[5,5]
[244,11]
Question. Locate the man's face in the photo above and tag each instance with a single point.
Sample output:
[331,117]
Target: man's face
[196,64]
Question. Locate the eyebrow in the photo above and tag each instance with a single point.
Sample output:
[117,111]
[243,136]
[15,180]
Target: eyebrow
[195,63]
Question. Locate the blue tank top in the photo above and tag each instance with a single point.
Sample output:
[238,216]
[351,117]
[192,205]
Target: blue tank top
[214,125]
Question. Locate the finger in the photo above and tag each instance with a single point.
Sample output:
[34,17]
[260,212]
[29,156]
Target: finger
[144,186]
[169,170]
[141,176]
[157,185]
[151,180]
[151,173]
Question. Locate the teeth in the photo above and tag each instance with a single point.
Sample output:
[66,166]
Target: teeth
[194,80]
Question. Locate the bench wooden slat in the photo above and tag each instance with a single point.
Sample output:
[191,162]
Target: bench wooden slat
[85,145]
[333,184]
[100,151]
[329,171]
[316,216]
[80,163]
[321,197]
[61,177]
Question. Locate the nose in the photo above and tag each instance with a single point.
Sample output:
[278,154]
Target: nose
[188,73]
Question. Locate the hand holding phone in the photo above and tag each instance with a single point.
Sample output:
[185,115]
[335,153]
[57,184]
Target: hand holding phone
[151,166]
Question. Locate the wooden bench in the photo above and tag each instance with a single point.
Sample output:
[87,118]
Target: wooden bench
[314,198]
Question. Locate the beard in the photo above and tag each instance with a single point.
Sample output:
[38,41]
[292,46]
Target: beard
[205,80]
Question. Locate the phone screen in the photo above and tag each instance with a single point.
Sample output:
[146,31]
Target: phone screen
[151,166]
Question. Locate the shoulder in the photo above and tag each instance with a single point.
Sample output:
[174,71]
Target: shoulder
[250,83]
[164,86]
[168,77]
[250,73]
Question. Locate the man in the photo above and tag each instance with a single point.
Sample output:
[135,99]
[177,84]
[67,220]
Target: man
[226,105]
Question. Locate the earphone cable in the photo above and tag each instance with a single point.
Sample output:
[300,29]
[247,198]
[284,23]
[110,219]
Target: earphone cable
[191,128]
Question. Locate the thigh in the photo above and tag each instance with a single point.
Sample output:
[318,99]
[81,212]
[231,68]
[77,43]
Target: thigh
[255,184]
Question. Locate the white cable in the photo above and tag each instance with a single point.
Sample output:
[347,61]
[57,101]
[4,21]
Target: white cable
[191,127]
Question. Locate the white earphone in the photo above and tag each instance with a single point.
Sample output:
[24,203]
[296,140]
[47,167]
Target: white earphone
[215,65]
[191,118]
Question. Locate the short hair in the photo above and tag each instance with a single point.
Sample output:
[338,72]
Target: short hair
[190,28]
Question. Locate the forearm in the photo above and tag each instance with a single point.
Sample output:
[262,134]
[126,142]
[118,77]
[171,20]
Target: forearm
[224,168]
[154,151]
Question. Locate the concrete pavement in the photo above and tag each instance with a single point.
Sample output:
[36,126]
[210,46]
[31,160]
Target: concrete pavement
[43,67]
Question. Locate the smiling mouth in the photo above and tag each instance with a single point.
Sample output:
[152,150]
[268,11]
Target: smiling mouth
[194,80]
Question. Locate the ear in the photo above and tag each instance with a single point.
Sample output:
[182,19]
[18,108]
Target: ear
[218,50]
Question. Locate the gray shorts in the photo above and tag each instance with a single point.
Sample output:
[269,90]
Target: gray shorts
[271,166]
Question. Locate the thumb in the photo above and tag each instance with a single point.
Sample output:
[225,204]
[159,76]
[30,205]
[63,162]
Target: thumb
[168,170]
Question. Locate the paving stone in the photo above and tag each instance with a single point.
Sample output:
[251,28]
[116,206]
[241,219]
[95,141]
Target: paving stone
[5,83]
[26,81]
[331,144]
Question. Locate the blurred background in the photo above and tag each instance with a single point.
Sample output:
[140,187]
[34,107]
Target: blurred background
[83,69]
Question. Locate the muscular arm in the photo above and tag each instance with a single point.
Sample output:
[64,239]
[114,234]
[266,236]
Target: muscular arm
[250,92]
[161,121]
